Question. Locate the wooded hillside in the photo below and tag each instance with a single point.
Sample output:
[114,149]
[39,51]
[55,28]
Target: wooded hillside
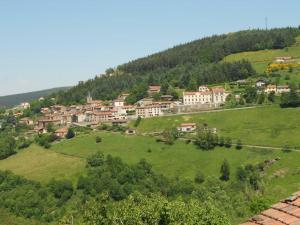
[184,66]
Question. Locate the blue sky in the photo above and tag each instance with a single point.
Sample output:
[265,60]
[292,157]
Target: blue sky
[51,43]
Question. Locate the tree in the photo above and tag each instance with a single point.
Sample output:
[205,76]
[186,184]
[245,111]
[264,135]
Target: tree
[206,139]
[239,145]
[290,99]
[95,160]
[271,96]
[170,135]
[50,127]
[221,141]
[157,96]
[61,189]
[70,134]
[199,178]
[138,121]
[250,94]
[228,142]
[225,171]
[261,98]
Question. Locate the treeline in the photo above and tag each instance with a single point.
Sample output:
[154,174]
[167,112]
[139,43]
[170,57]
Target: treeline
[213,49]
[11,137]
[184,66]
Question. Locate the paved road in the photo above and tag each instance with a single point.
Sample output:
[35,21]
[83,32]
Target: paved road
[244,145]
[213,110]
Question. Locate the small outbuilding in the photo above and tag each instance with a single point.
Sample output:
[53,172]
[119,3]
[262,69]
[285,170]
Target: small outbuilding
[187,127]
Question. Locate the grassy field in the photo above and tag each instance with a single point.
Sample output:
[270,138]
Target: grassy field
[268,126]
[42,165]
[180,159]
[185,160]
[67,160]
[261,59]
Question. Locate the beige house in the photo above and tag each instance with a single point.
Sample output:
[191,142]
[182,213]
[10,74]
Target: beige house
[61,132]
[283,89]
[277,89]
[270,88]
[153,89]
[149,111]
[26,121]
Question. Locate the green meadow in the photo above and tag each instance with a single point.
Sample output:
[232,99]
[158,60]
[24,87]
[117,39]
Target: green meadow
[66,160]
[40,164]
[261,59]
[267,126]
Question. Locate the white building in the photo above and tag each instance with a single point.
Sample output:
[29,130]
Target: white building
[277,89]
[24,105]
[187,127]
[149,111]
[216,95]
[118,103]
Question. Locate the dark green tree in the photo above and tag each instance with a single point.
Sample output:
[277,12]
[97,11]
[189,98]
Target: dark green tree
[225,171]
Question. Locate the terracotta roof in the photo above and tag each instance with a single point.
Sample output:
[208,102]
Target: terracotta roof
[187,124]
[154,88]
[218,89]
[62,130]
[190,93]
[286,212]
[283,87]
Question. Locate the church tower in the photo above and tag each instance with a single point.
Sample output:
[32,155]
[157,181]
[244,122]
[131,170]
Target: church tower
[89,98]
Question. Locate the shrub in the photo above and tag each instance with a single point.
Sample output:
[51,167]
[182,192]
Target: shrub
[61,189]
[98,139]
[239,145]
[138,121]
[228,143]
[95,160]
[199,178]
[70,134]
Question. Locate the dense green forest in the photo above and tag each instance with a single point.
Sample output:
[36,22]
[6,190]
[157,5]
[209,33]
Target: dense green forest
[183,66]
[13,100]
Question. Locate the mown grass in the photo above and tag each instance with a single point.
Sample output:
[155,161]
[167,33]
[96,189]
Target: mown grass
[42,165]
[261,59]
[268,126]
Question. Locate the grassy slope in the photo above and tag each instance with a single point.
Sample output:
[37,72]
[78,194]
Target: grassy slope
[184,160]
[260,59]
[269,126]
[181,159]
[42,165]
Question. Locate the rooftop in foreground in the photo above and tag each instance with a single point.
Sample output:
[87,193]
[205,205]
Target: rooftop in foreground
[286,212]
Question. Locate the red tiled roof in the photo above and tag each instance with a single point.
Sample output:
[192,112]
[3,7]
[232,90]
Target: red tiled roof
[187,124]
[218,89]
[286,212]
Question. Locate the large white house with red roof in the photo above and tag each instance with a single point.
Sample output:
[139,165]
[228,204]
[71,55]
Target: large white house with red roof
[216,95]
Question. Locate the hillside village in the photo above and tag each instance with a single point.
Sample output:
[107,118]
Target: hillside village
[117,113]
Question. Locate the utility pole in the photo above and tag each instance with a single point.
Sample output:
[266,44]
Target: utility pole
[266,23]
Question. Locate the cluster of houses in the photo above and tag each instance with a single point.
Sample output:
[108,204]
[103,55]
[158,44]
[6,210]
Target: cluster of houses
[268,88]
[116,112]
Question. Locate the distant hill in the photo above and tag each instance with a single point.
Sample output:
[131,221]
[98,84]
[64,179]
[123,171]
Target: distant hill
[13,100]
[184,66]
